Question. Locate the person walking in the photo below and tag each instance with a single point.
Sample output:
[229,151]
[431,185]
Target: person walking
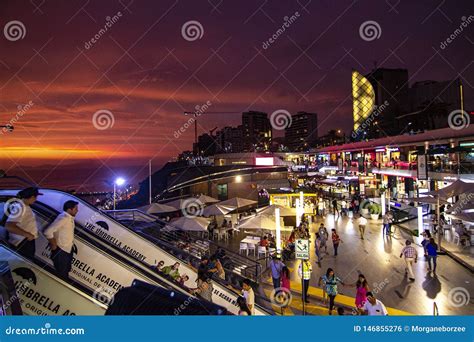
[426,240]
[276,265]
[285,285]
[60,235]
[317,247]
[334,207]
[432,253]
[21,222]
[410,255]
[304,271]
[362,288]
[385,223]
[373,306]
[362,225]
[336,240]
[329,281]
[324,236]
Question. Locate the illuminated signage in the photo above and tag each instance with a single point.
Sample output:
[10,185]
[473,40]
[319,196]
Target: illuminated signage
[264,161]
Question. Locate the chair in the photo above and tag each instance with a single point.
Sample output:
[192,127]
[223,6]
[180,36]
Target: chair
[251,247]
[243,247]
[271,251]
[456,238]
[262,250]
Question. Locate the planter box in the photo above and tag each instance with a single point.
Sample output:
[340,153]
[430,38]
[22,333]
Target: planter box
[364,212]
[374,216]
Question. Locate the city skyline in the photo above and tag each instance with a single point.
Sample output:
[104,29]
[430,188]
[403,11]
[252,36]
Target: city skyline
[143,71]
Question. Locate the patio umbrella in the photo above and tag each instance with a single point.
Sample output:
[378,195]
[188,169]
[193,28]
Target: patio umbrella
[460,206]
[259,222]
[455,189]
[183,203]
[427,200]
[216,209]
[238,202]
[157,208]
[467,217]
[270,210]
[207,199]
[190,224]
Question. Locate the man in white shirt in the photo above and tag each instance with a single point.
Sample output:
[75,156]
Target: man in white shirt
[249,295]
[21,222]
[374,307]
[60,235]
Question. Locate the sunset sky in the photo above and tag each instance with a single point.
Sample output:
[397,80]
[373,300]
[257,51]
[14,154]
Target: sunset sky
[144,74]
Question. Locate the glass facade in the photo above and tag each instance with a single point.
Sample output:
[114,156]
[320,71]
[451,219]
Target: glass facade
[363,99]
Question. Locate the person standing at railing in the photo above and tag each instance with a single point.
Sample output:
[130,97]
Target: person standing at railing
[60,235]
[21,222]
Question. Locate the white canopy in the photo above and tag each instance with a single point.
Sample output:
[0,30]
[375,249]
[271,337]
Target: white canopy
[182,203]
[461,206]
[157,208]
[455,189]
[467,217]
[195,224]
[428,200]
[260,222]
[270,210]
[238,202]
[216,209]
[207,199]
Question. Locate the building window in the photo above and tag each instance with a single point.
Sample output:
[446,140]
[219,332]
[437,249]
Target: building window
[221,192]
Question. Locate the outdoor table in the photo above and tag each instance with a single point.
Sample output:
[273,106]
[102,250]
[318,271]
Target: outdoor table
[251,241]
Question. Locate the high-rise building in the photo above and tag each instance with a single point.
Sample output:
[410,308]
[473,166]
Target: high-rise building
[256,131]
[391,95]
[230,139]
[363,101]
[303,131]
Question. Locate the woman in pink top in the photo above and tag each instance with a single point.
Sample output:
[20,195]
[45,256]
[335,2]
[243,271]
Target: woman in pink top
[284,295]
[362,288]
[285,278]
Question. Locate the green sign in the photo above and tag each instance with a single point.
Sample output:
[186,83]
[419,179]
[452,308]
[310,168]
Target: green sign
[302,249]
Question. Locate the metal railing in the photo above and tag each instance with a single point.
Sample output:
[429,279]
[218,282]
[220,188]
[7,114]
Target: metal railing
[187,246]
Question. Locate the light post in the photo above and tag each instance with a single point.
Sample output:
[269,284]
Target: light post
[118,182]
[278,231]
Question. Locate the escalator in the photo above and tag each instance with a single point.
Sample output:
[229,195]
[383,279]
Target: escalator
[40,293]
[97,268]
[124,241]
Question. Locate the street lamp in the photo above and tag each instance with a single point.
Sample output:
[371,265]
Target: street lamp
[118,182]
